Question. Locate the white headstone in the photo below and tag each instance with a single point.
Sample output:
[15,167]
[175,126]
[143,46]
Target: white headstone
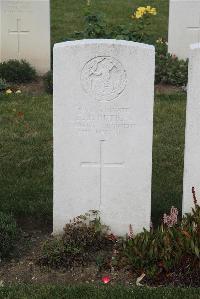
[184,26]
[192,139]
[25,32]
[103,127]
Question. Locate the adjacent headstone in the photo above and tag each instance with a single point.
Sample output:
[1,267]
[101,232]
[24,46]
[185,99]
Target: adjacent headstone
[184,26]
[192,139]
[103,127]
[25,32]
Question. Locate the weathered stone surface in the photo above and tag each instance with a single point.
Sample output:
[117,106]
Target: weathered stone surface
[103,127]
[192,138]
[25,32]
[184,26]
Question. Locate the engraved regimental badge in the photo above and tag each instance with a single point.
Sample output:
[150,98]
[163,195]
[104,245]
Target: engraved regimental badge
[104,78]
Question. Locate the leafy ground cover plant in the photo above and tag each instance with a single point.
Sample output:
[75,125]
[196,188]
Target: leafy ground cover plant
[170,247]
[8,234]
[170,253]
[16,71]
[82,242]
[167,254]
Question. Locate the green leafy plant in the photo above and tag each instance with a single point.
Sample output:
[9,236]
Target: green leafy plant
[16,71]
[8,234]
[80,243]
[48,82]
[96,27]
[167,247]
[169,69]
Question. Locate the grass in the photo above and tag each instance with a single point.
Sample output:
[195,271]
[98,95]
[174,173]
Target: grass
[26,154]
[104,292]
[168,153]
[67,16]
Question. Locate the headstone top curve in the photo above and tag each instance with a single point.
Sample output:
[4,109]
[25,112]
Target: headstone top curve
[103,42]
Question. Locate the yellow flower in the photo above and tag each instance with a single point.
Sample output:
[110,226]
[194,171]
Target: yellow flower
[18,91]
[8,91]
[153,11]
[138,15]
[141,11]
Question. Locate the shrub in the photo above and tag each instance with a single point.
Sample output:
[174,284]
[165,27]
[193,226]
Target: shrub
[8,234]
[96,27]
[3,84]
[83,239]
[169,69]
[168,247]
[16,71]
[48,82]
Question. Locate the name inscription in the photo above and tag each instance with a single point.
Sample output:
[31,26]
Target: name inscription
[109,120]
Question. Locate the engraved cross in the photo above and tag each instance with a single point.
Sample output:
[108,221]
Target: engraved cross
[18,32]
[101,164]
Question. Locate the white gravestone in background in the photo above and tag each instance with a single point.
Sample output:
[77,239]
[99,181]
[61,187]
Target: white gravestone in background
[25,32]
[184,26]
[192,139]
[103,126]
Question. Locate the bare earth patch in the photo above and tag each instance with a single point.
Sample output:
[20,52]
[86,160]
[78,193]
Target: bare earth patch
[23,268]
[167,89]
[35,88]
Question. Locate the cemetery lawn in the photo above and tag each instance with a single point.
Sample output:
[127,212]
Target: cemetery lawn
[26,155]
[68,16]
[89,291]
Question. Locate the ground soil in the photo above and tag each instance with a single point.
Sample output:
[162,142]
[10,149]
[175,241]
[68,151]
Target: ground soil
[22,267]
[35,88]
[167,89]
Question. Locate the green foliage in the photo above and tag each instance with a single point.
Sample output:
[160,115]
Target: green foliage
[68,16]
[48,82]
[16,71]
[169,69]
[82,239]
[167,247]
[8,234]
[96,27]
[3,84]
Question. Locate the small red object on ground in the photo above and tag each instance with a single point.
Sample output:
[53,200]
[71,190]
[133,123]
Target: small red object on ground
[106,279]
